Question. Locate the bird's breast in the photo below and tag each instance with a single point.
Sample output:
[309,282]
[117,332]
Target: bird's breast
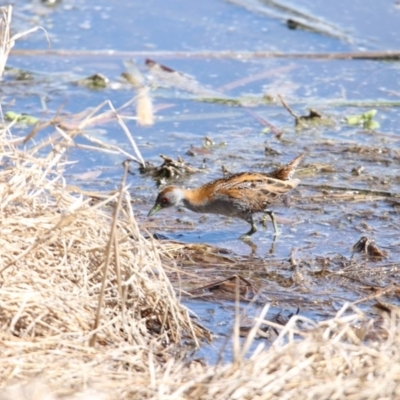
[220,205]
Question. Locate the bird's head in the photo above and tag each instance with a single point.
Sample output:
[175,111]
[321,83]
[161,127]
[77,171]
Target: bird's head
[168,197]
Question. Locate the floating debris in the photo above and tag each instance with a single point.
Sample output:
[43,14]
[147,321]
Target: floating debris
[96,81]
[228,289]
[368,246]
[366,120]
[301,121]
[168,77]
[21,118]
[208,143]
[169,169]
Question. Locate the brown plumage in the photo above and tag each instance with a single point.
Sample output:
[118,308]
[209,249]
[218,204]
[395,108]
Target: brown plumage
[238,195]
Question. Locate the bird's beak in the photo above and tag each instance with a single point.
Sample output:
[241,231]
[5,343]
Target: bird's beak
[155,209]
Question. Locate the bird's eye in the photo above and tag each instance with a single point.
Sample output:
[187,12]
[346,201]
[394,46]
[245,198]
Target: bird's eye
[164,200]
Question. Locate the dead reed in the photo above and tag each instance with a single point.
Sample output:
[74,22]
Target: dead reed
[77,279]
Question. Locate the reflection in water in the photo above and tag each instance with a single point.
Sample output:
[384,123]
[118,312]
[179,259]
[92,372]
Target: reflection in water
[217,317]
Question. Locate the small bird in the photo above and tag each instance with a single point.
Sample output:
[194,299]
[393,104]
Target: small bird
[238,195]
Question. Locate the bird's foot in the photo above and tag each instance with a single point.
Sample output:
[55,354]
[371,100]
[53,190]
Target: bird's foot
[246,237]
[277,233]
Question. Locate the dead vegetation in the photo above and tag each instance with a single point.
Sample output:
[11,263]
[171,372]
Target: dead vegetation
[55,249]
[65,260]
[88,311]
[82,292]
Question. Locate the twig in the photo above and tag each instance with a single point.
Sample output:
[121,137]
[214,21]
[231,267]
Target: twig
[367,55]
[108,252]
[256,77]
[128,134]
[289,110]
[277,132]
[117,262]
[379,293]
[350,189]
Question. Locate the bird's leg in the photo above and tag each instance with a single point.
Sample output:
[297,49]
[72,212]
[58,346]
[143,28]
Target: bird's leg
[272,216]
[264,221]
[252,230]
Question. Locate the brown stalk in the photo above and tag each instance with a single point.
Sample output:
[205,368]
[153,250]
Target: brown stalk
[108,254]
[228,54]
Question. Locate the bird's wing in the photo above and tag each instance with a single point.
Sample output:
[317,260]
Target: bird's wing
[254,185]
[285,173]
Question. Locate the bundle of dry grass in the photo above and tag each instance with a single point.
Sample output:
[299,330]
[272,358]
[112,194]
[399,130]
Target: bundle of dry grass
[331,361]
[342,358]
[82,294]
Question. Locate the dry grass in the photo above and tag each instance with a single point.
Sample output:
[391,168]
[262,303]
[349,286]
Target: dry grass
[87,311]
[330,362]
[58,250]
[55,247]
[82,292]
[6,40]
